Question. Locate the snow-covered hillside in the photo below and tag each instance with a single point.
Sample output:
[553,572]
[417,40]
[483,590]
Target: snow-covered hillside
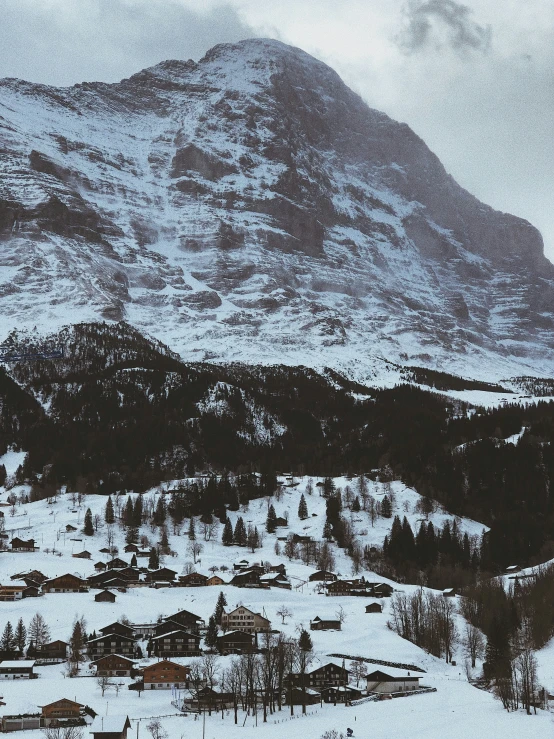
[251,207]
[467,710]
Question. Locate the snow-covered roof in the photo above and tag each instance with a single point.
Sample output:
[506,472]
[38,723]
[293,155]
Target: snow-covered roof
[109,724]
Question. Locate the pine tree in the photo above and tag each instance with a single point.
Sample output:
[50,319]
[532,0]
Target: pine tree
[302,508]
[134,560]
[305,641]
[211,633]
[8,641]
[21,635]
[88,528]
[239,535]
[220,606]
[160,514]
[227,537]
[192,530]
[356,507]
[327,531]
[154,559]
[77,641]
[109,515]
[386,507]
[137,511]
[270,524]
[164,541]
[128,517]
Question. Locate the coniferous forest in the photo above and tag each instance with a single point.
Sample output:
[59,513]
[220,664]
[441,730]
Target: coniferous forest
[119,412]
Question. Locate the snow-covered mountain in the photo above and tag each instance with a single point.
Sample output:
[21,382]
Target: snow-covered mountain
[252,207]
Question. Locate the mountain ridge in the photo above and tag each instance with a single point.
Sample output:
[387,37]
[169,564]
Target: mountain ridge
[250,206]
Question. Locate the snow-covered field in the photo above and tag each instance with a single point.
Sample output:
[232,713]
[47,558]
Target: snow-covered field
[456,710]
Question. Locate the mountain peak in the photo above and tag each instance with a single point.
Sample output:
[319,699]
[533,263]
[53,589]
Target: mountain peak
[251,206]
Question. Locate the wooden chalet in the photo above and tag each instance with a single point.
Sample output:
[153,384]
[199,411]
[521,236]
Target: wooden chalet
[281,522]
[236,642]
[243,619]
[54,651]
[67,583]
[62,709]
[11,592]
[449,592]
[178,643]
[209,698]
[340,693]
[190,621]
[340,587]
[70,528]
[131,548]
[17,669]
[246,578]
[111,644]
[215,580]
[116,564]
[110,727]
[374,607]
[322,576]
[299,697]
[113,665]
[379,589]
[240,565]
[163,574]
[322,677]
[83,555]
[34,577]
[164,675]
[320,624]
[118,628]
[23,545]
[105,596]
[193,580]
[275,580]
[100,566]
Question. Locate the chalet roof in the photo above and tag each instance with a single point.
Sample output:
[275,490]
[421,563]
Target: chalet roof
[119,656]
[110,636]
[110,725]
[172,633]
[117,624]
[67,574]
[164,663]
[394,673]
[62,700]
[236,631]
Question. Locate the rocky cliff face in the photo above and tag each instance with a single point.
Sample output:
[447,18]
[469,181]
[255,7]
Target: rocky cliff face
[251,207]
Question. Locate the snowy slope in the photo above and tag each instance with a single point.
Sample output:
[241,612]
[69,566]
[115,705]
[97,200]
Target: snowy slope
[467,711]
[251,207]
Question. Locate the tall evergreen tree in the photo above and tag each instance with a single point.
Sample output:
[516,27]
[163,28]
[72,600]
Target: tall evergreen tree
[8,641]
[302,508]
[271,520]
[386,507]
[239,535]
[128,512]
[192,529]
[227,536]
[38,630]
[131,535]
[220,606]
[211,633]
[134,560]
[88,528]
[21,635]
[109,515]
[137,511]
[160,514]
[154,559]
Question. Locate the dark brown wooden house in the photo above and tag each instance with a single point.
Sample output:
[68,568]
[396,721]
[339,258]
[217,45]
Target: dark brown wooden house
[105,596]
[193,580]
[60,711]
[236,642]
[178,643]
[374,607]
[111,644]
[67,583]
[320,624]
[113,665]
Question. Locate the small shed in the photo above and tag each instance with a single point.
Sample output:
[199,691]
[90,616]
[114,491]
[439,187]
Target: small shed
[449,592]
[110,727]
[374,607]
[320,624]
[105,596]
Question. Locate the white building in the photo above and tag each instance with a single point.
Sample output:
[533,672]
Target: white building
[17,669]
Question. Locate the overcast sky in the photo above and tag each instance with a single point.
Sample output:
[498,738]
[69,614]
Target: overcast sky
[474,79]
